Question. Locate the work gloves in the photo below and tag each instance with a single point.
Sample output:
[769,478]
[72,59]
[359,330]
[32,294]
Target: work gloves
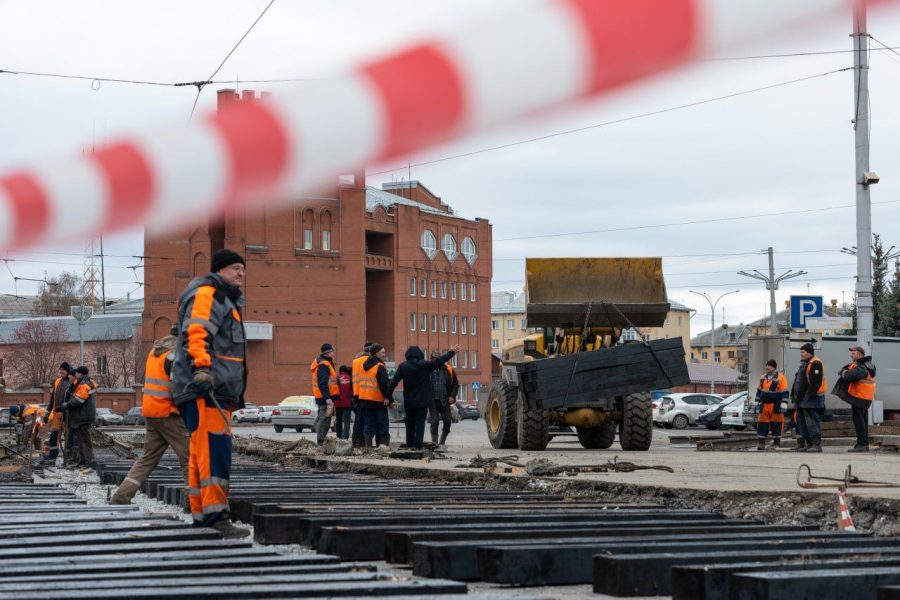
[202,383]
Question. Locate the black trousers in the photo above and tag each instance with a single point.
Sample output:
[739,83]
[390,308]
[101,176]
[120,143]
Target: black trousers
[437,414]
[861,424]
[415,426]
[84,446]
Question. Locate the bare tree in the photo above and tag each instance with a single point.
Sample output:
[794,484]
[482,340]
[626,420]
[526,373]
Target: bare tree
[37,351]
[113,362]
[59,295]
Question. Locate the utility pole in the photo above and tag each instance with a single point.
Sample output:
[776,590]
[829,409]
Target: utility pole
[865,312]
[712,334]
[102,279]
[772,284]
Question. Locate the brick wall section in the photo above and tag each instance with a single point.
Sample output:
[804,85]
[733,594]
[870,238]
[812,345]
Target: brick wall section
[119,400]
[342,296]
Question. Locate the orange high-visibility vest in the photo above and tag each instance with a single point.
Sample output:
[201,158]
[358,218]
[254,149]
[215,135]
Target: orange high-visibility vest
[781,384]
[356,371]
[368,385]
[157,400]
[864,389]
[333,389]
[824,385]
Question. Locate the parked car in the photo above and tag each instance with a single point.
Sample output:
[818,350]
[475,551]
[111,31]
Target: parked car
[714,416]
[5,420]
[248,414]
[265,414]
[295,411]
[134,417]
[681,410]
[105,416]
[738,414]
[467,411]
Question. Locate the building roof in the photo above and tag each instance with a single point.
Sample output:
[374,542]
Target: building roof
[700,373]
[376,197]
[784,316]
[734,335]
[17,306]
[507,302]
[679,306]
[98,328]
[126,307]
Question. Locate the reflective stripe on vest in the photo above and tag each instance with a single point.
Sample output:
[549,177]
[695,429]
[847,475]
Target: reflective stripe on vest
[333,389]
[368,384]
[824,385]
[356,371]
[864,389]
[157,401]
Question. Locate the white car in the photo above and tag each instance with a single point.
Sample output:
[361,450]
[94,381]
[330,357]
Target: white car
[681,410]
[248,414]
[736,412]
[265,414]
[295,412]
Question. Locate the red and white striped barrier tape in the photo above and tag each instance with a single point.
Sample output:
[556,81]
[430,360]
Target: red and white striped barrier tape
[545,55]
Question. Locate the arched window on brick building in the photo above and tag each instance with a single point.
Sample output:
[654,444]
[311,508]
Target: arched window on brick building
[307,222]
[325,225]
[201,264]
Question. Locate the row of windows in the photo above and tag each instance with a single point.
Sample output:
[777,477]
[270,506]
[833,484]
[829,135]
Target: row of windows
[448,246]
[510,324]
[717,355]
[324,226]
[465,324]
[463,360]
[443,285]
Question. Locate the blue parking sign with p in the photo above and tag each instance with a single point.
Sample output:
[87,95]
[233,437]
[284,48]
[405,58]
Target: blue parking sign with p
[804,307]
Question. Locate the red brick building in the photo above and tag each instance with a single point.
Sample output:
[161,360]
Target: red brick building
[355,263]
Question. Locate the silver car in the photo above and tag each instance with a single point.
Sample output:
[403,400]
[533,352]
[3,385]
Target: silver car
[681,410]
[295,412]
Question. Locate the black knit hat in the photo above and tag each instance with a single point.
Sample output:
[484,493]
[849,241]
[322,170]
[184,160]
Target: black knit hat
[771,363]
[82,370]
[375,348]
[326,348]
[225,257]
[65,367]
[808,348]
[367,345]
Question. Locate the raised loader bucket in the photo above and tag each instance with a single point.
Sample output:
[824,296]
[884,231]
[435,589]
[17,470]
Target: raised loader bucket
[563,291]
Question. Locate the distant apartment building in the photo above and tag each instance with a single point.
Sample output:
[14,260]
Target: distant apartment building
[508,320]
[677,324]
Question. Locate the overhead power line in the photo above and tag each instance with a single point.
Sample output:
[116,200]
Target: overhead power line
[615,121]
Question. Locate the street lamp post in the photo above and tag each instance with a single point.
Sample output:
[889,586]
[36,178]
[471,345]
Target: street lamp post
[81,314]
[712,333]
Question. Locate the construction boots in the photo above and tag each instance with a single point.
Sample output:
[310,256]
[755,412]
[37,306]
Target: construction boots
[383,440]
[776,443]
[761,444]
[228,531]
[367,441]
[816,444]
[444,435]
[358,441]
[859,448]
[801,445]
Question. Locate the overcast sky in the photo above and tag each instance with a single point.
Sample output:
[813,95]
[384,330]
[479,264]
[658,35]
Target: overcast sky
[784,149]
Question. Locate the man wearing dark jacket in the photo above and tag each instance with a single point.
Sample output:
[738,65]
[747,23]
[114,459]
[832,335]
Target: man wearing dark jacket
[372,387]
[808,394]
[55,412]
[415,373]
[82,411]
[860,391]
[445,387]
[325,390]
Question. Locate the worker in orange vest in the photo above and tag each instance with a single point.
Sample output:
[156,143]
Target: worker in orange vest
[33,417]
[325,390]
[82,409]
[165,427]
[58,392]
[808,394]
[375,397]
[860,374]
[770,393]
[358,438]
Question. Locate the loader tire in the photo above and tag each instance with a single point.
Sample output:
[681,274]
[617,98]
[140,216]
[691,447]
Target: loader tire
[500,418]
[597,438]
[533,427]
[636,428]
